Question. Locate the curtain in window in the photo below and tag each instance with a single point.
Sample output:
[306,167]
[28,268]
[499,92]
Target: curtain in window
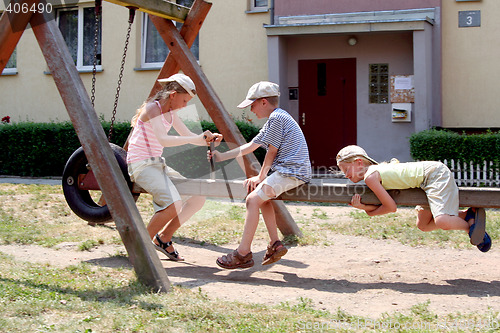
[156,50]
[68,24]
[260,3]
[88,37]
[12,63]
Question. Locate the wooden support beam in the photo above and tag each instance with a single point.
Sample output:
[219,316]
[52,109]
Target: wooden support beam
[161,8]
[319,191]
[190,29]
[188,63]
[12,26]
[128,220]
[217,111]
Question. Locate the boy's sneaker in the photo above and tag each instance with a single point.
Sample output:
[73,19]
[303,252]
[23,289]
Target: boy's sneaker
[478,229]
[485,246]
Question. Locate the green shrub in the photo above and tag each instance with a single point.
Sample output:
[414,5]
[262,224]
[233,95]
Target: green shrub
[42,149]
[436,145]
[441,145]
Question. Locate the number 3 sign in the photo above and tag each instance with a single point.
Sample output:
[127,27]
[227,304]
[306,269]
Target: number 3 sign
[471,18]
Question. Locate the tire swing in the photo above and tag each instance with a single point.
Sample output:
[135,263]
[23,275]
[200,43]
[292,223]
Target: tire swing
[78,178]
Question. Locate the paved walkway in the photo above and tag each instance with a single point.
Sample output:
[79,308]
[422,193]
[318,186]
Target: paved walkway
[30,180]
[57,180]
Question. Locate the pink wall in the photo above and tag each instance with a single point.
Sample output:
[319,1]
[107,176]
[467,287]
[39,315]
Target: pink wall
[311,7]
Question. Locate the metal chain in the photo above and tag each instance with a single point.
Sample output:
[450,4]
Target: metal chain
[120,76]
[96,40]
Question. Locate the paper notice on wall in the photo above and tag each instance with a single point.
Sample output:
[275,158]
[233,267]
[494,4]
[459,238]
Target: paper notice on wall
[402,89]
[403,83]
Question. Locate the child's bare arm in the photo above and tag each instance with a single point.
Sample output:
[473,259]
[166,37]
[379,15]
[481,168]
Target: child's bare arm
[356,203]
[388,205]
[252,182]
[153,114]
[268,161]
[183,130]
[247,148]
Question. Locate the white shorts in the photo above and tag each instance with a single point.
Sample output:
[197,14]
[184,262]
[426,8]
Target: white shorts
[279,183]
[153,176]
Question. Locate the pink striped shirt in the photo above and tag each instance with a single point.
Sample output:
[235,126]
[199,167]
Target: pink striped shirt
[143,143]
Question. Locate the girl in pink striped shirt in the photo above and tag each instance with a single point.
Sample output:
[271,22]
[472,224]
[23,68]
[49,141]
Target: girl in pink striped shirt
[147,167]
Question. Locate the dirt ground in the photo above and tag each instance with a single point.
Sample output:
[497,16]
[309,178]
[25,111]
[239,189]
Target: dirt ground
[361,276]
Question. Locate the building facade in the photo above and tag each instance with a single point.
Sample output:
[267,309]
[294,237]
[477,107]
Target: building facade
[231,50]
[360,72]
[337,61]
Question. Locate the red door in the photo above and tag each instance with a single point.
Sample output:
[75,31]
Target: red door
[327,108]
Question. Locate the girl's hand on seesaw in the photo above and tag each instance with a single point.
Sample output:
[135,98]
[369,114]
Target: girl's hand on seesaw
[217,139]
[356,201]
[208,136]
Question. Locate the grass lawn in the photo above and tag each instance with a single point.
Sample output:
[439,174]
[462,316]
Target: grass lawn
[89,298]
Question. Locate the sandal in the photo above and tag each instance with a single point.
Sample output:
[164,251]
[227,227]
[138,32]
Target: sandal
[478,229]
[235,260]
[485,246]
[162,247]
[274,253]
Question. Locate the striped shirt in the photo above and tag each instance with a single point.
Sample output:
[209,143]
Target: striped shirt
[283,132]
[143,143]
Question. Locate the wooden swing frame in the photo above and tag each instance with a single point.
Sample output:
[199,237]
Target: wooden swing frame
[99,154]
[88,127]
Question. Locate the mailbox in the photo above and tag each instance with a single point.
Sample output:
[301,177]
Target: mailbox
[401,112]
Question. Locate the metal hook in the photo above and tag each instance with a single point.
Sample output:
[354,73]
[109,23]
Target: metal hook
[131,14]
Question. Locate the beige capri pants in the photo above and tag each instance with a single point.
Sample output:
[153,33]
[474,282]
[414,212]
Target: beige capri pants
[441,190]
[153,176]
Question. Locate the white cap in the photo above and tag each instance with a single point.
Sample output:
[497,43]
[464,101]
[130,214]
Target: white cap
[182,79]
[260,90]
[353,151]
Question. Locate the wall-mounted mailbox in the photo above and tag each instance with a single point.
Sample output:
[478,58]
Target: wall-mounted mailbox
[401,112]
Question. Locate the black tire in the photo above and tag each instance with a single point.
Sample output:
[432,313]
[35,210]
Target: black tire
[80,201]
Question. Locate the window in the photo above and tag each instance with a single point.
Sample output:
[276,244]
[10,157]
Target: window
[379,83]
[77,25]
[154,51]
[258,5]
[11,67]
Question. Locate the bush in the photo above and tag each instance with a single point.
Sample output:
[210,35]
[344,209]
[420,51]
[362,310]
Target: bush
[42,149]
[438,145]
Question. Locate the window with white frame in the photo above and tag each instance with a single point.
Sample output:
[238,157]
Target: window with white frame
[259,5]
[77,25]
[11,66]
[154,50]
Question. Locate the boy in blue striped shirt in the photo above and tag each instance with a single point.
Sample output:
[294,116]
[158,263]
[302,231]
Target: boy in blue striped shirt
[287,158]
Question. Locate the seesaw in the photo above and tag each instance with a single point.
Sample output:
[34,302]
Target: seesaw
[79,180]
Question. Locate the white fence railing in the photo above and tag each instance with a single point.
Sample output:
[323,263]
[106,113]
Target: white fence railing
[469,174]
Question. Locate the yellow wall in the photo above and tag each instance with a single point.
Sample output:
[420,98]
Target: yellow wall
[233,51]
[233,55]
[470,66]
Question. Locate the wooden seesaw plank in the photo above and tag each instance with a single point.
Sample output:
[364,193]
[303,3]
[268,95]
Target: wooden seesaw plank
[321,191]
